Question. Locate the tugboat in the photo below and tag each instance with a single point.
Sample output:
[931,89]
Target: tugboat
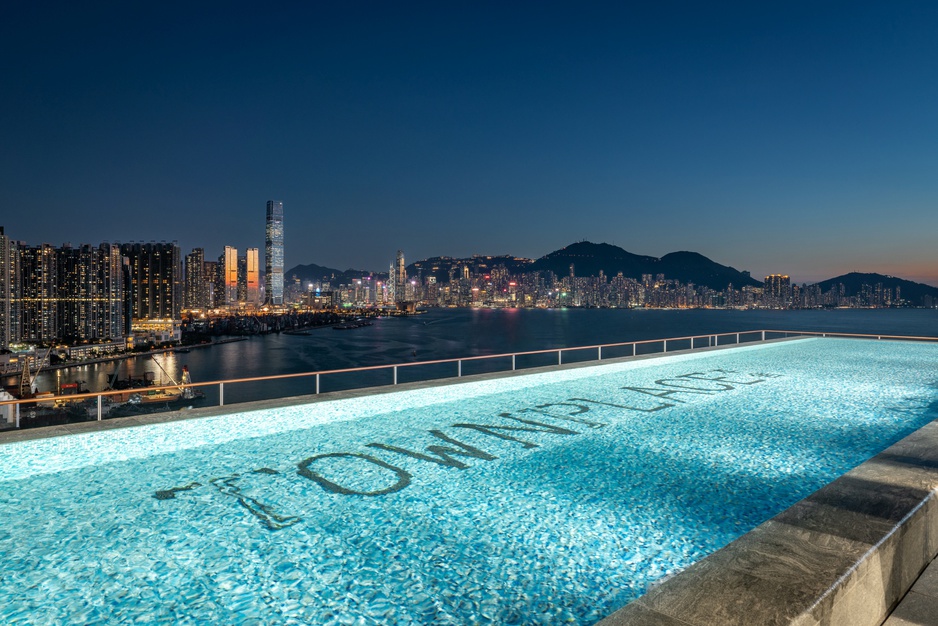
[357,323]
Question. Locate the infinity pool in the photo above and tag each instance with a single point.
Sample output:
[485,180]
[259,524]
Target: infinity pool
[547,498]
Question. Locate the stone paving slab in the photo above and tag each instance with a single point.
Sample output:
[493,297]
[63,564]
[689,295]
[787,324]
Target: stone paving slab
[920,605]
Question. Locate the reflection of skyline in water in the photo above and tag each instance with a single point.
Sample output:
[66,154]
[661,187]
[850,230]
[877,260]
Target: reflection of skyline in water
[455,333]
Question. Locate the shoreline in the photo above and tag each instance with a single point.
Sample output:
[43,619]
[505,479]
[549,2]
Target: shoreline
[131,355]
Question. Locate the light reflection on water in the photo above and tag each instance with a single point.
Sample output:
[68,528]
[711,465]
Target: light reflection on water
[455,333]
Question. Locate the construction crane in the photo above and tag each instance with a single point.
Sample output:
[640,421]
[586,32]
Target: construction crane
[32,389]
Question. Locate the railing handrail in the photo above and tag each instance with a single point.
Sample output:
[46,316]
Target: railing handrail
[145,390]
[820,333]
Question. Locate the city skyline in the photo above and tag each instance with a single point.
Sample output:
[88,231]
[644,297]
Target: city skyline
[239,277]
[794,138]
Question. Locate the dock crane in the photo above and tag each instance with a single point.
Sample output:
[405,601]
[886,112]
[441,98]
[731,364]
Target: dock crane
[32,389]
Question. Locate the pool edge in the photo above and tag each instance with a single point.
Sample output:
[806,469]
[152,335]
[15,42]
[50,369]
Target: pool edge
[76,428]
[846,554]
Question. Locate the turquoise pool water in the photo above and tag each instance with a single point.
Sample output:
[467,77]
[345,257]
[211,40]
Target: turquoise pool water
[547,498]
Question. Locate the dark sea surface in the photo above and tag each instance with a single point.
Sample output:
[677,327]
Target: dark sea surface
[460,333]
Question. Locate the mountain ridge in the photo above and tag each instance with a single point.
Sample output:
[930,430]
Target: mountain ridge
[589,258]
[854,281]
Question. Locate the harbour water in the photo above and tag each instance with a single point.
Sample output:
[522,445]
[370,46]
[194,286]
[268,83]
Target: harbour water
[458,333]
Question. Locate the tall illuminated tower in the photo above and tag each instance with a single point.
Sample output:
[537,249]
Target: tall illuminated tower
[36,294]
[7,277]
[154,280]
[400,278]
[391,284]
[196,295]
[273,254]
[9,284]
[253,278]
[229,267]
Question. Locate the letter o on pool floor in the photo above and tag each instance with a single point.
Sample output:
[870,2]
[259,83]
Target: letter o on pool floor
[403,478]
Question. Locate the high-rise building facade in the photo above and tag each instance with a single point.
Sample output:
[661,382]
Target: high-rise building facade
[72,268]
[66,294]
[777,290]
[400,278]
[36,294]
[109,320]
[242,280]
[249,287]
[777,285]
[273,254]
[228,285]
[8,275]
[210,275]
[90,293]
[196,293]
[391,285]
[155,280]
[253,277]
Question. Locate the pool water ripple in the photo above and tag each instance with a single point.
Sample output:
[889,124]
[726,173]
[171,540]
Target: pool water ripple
[536,499]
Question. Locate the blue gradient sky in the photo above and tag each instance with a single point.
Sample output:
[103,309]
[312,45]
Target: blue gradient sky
[792,137]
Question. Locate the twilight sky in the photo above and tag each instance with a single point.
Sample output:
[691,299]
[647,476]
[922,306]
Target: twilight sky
[779,137]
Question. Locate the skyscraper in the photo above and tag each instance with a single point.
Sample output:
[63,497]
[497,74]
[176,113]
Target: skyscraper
[155,280]
[391,284]
[109,320]
[273,254]
[400,278]
[228,266]
[7,276]
[777,290]
[36,294]
[253,294]
[210,276]
[196,296]
[89,293]
[242,280]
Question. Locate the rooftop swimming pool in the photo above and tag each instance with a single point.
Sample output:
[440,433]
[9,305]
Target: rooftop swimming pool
[545,498]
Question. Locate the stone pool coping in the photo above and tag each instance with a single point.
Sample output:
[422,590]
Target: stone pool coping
[844,555]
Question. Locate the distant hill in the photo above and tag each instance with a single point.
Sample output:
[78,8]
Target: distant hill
[688,267]
[318,273]
[588,259]
[853,282]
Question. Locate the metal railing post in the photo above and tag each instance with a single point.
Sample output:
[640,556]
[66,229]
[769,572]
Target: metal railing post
[559,357]
[317,383]
[221,394]
[691,343]
[459,368]
[17,414]
[599,354]
[737,337]
[395,374]
[99,407]
[512,362]
[633,348]
[665,345]
[763,335]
